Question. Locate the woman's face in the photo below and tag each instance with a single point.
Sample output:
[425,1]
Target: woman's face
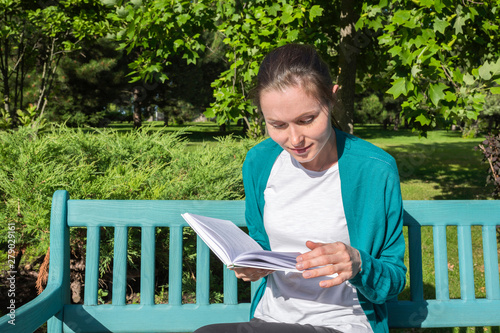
[301,125]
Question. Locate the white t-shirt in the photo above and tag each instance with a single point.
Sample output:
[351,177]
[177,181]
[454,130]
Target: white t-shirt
[302,205]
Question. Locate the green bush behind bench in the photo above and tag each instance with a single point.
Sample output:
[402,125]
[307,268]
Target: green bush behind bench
[106,165]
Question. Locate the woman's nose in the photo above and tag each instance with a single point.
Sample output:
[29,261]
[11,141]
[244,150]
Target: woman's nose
[296,137]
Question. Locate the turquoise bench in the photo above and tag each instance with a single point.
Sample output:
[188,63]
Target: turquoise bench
[53,304]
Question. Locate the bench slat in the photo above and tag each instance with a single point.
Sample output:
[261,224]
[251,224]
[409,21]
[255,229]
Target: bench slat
[451,313]
[175,266]
[92,266]
[415,256]
[441,263]
[120,266]
[155,213]
[230,287]
[135,318]
[491,266]
[465,262]
[148,245]
[452,212]
[202,272]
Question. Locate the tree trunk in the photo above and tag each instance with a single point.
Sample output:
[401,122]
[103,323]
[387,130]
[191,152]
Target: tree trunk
[137,108]
[344,111]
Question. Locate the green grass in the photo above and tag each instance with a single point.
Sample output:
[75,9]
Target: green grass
[443,166]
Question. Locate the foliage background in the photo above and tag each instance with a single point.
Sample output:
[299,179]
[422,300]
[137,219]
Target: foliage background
[106,164]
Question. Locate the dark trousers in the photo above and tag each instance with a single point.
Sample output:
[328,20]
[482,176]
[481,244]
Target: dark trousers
[260,326]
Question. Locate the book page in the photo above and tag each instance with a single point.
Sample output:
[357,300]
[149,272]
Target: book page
[282,261]
[223,237]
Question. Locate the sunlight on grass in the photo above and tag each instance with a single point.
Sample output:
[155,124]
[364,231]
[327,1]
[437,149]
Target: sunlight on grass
[417,190]
[442,166]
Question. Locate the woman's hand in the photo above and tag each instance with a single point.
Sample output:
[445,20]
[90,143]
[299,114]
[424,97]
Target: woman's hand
[250,274]
[331,258]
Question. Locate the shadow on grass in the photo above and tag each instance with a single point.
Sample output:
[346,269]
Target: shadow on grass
[192,132]
[369,132]
[456,167]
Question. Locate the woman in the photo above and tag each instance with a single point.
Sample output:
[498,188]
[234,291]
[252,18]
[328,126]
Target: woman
[314,189]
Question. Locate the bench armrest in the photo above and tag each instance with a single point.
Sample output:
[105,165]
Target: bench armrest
[34,314]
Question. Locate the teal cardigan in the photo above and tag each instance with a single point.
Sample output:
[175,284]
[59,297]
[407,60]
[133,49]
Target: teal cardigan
[373,208]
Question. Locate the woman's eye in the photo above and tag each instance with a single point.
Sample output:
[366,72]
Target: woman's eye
[277,125]
[306,121]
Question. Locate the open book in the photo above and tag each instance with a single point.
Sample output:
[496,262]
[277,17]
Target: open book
[235,248]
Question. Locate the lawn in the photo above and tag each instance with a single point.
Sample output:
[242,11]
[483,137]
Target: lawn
[442,166]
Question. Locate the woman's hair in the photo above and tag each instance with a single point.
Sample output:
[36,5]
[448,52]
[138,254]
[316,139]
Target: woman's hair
[295,65]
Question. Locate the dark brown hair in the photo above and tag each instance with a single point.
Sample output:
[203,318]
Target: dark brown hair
[295,65]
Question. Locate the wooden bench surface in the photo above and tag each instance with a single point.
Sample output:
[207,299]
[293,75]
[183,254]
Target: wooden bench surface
[178,317]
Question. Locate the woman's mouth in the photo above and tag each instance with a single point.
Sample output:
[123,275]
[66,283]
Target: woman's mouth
[300,151]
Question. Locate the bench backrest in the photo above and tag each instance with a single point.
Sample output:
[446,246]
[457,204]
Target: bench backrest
[447,217]
[177,316]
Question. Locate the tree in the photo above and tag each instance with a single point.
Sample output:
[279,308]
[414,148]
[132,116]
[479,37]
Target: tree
[442,56]
[155,30]
[439,57]
[158,29]
[347,65]
[250,30]
[87,82]
[34,37]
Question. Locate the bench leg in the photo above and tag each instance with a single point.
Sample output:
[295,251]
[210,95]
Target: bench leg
[55,324]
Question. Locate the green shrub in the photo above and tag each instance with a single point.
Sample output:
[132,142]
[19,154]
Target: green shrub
[105,164]
[490,116]
[490,148]
[369,110]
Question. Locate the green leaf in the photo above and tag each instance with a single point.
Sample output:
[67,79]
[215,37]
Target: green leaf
[484,72]
[209,113]
[436,92]
[472,114]
[427,3]
[183,18]
[458,77]
[286,18]
[314,12]
[439,5]
[178,43]
[274,9]
[395,50]
[479,98]
[401,17]
[293,35]
[386,39]
[460,22]
[398,87]
[422,119]
[450,97]
[415,70]
[495,90]
[441,25]
[489,69]
[469,79]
